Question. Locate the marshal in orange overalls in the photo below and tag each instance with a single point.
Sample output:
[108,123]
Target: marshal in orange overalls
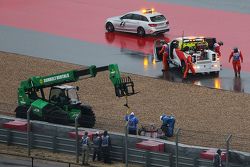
[164,51]
[189,66]
[237,56]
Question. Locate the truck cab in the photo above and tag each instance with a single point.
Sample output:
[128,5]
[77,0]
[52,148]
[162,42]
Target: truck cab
[64,94]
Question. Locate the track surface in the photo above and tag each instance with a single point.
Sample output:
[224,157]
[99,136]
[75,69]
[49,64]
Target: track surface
[72,30]
[84,20]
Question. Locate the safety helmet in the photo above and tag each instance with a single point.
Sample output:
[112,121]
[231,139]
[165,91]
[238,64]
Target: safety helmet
[219,151]
[220,43]
[235,50]
[105,133]
[161,117]
[132,113]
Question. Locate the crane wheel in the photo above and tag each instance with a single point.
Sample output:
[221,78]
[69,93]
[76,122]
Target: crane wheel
[56,115]
[21,112]
[87,118]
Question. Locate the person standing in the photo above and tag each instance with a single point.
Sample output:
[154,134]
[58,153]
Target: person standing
[217,46]
[97,146]
[164,51]
[106,146]
[189,66]
[132,123]
[217,159]
[237,57]
[180,54]
[85,148]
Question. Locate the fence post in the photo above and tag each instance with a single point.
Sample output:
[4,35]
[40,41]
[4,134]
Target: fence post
[123,149]
[196,162]
[28,130]
[77,140]
[32,161]
[148,159]
[8,137]
[126,144]
[177,149]
[228,143]
[54,143]
[171,161]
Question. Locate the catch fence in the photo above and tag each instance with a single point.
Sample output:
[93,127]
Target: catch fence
[118,153]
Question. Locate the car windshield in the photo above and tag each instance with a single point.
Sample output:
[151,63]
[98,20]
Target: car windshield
[73,95]
[157,18]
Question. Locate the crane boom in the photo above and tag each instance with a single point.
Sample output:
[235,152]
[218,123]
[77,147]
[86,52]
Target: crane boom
[39,82]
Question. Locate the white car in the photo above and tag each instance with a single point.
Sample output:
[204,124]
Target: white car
[204,58]
[142,22]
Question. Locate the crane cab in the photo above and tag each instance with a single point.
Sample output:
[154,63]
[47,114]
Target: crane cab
[64,95]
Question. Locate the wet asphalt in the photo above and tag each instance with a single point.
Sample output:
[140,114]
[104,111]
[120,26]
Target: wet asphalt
[43,45]
[59,48]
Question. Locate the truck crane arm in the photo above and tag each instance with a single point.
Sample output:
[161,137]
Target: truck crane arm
[39,82]
[36,83]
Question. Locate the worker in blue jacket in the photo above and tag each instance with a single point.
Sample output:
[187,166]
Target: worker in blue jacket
[168,124]
[132,123]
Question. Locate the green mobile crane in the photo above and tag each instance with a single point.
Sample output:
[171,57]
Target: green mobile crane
[63,104]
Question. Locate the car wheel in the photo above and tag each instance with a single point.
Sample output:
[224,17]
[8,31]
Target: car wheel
[110,27]
[141,31]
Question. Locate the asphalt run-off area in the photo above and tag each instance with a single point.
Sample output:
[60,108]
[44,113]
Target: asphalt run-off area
[74,32]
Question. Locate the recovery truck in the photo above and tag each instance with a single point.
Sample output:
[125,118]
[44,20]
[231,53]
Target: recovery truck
[204,58]
[63,104]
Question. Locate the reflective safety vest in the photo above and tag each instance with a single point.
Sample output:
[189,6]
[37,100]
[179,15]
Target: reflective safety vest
[105,141]
[236,56]
[131,123]
[96,142]
[85,141]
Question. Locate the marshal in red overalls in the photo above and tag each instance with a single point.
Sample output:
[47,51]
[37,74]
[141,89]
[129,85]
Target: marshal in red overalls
[217,48]
[189,66]
[237,56]
[164,51]
[188,62]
